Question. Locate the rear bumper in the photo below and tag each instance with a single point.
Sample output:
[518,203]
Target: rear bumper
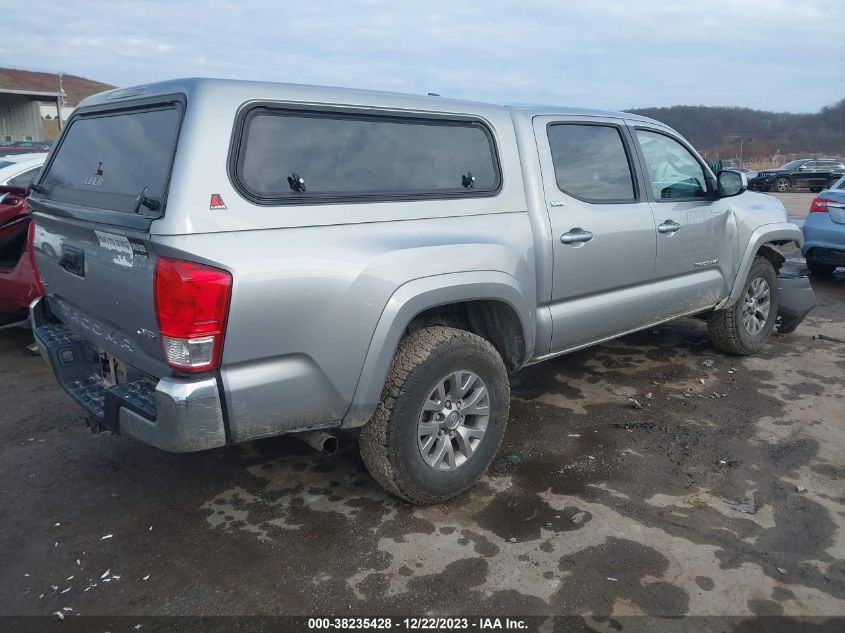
[824,255]
[173,414]
[797,299]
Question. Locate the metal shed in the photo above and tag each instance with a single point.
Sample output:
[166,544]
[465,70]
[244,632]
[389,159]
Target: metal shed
[20,113]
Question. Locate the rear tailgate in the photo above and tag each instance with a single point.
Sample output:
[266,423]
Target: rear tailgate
[93,205]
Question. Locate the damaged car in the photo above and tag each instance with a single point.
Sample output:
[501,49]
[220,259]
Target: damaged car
[235,260]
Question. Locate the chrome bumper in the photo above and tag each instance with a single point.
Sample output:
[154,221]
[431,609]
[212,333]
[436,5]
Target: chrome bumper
[174,414]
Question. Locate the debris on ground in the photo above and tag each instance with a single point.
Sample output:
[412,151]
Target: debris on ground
[825,337]
[649,396]
[515,457]
[701,380]
[578,518]
[634,425]
[106,537]
[781,570]
[747,505]
[512,539]
[708,362]
[574,435]
[634,403]
[60,615]
[800,489]
[612,579]
[147,577]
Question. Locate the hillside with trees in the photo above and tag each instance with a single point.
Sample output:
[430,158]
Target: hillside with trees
[719,132]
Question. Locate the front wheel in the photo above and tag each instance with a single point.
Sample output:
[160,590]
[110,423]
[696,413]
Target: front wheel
[743,328]
[782,185]
[441,418]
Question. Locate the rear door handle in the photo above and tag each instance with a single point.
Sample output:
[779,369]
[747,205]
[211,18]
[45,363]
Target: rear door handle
[669,226]
[576,236]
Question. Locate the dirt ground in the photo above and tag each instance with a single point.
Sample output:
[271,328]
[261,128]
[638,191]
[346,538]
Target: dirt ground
[591,507]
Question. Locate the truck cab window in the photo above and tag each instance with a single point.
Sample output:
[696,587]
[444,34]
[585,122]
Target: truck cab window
[672,169]
[591,163]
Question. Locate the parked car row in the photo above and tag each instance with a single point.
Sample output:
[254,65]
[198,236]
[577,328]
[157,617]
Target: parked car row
[813,174]
[25,146]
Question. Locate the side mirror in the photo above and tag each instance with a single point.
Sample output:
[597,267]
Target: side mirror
[731,183]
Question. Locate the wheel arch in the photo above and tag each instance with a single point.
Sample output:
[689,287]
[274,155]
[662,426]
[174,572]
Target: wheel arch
[489,303]
[764,241]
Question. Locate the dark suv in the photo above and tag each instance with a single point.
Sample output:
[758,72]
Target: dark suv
[814,174]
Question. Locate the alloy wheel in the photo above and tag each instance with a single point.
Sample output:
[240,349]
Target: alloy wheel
[453,420]
[757,304]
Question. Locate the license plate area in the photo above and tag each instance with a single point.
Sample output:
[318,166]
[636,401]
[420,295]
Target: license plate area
[112,369]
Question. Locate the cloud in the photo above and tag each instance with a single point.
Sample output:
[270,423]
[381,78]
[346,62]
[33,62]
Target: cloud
[773,54]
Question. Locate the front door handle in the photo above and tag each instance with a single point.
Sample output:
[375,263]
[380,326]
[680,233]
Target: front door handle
[576,236]
[669,226]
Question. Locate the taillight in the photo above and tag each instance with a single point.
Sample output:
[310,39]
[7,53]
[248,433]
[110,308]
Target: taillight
[819,205]
[192,302]
[31,241]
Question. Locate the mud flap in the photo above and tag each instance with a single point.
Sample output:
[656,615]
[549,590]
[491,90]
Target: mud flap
[797,299]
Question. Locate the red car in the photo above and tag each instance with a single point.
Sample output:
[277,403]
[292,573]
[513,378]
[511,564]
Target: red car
[19,284]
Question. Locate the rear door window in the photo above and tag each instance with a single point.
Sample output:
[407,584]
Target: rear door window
[591,162]
[109,160]
[295,156]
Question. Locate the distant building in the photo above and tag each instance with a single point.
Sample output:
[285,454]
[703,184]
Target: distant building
[34,105]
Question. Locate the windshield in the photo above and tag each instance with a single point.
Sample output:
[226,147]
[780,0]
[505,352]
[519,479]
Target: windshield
[839,184]
[793,164]
[111,161]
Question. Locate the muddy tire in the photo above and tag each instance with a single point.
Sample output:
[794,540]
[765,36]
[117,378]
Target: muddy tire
[820,269]
[441,418]
[742,329]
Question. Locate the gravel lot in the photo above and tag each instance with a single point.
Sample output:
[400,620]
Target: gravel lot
[591,507]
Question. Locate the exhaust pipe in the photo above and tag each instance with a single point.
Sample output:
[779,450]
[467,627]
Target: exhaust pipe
[319,441]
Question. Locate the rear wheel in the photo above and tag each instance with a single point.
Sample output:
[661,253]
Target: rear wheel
[743,328]
[441,418]
[782,185]
[819,269]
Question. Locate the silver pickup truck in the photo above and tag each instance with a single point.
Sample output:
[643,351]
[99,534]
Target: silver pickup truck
[238,260]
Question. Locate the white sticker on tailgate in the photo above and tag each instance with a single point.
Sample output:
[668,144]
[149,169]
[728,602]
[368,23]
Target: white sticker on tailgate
[119,244]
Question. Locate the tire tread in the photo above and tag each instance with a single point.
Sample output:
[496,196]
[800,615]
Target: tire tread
[413,350]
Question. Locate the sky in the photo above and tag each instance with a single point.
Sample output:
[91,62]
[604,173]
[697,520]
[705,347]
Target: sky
[782,55]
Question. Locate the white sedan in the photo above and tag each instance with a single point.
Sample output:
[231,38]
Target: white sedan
[18,170]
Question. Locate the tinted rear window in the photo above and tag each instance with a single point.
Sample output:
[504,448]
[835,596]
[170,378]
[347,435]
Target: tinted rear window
[107,160]
[349,156]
